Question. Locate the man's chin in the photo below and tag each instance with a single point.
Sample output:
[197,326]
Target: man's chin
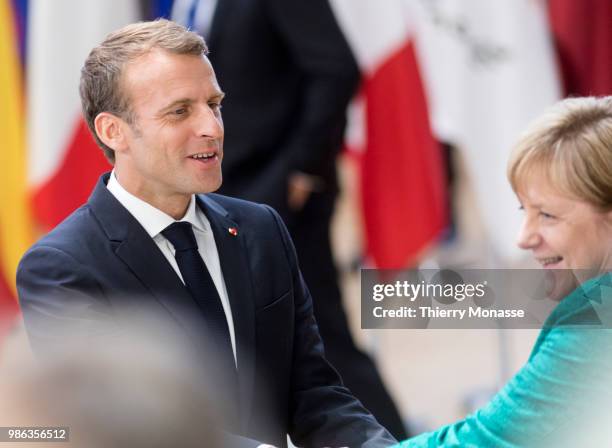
[207,185]
[217,185]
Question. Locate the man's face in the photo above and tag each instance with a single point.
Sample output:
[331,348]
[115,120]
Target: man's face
[175,145]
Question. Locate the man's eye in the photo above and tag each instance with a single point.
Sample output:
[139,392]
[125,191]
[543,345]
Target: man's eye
[215,106]
[180,111]
[546,215]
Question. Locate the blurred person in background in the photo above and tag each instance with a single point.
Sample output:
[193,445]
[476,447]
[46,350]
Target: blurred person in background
[141,393]
[561,171]
[289,75]
[218,272]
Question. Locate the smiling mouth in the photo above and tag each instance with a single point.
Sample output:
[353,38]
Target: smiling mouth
[204,156]
[548,261]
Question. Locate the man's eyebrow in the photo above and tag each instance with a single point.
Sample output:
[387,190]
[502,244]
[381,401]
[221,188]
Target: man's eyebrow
[218,96]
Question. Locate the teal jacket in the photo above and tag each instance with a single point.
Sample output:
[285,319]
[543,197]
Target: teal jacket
[563,394]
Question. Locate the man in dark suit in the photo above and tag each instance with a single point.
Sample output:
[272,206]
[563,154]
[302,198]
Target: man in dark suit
[147,246]
[290,75]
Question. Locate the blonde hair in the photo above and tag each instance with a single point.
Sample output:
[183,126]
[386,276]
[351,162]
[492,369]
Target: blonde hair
[571,145]
[100,86]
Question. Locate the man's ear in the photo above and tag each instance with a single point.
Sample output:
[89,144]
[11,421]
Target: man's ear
[111,130]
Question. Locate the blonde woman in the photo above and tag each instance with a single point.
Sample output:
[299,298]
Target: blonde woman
[561,172]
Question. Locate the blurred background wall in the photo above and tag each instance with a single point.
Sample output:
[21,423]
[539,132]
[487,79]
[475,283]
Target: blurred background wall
[447,86]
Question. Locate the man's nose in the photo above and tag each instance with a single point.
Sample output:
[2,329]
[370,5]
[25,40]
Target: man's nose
[208,122]
[528,237]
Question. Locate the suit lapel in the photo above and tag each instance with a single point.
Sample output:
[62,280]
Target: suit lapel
[140,253]
[237,276]
[142,256]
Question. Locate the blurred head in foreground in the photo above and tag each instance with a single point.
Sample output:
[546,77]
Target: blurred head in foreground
[131,395]
[561,171]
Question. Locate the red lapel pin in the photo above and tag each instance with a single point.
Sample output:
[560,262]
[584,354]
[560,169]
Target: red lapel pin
[233,231]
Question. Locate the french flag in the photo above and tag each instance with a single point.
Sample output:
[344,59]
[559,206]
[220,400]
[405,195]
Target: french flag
[403,180]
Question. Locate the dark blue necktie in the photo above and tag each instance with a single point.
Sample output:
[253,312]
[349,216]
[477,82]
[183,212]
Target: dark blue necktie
[200,285]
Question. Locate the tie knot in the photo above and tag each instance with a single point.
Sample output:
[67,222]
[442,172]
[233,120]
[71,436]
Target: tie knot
[180,234]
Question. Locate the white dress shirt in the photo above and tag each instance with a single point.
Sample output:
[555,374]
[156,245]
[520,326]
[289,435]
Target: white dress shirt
[154,221]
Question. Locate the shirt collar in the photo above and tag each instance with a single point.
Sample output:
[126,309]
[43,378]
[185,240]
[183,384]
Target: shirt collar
[150,218]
